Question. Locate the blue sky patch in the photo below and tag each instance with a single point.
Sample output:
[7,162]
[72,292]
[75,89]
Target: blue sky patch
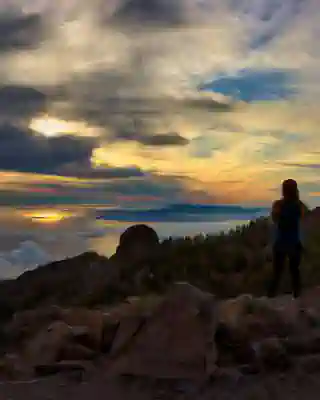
[251,85]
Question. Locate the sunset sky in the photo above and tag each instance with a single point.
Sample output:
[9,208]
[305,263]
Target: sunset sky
[145,103]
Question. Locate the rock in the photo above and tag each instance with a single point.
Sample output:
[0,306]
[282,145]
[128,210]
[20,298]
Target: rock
[128,327]
[177,341]
[298,345]
[272,354]
[311,298]
[26,323]
[312,317]
[135,306]
[297,319]
[138,243]
[309,364]
[135,257]
[110,329]
[123,321]
[249,369]
[46,346]
[13,367]
[231,311]
[234,346]
[75,351]
[80,332]
[274,321]
[58,367]
[92,320]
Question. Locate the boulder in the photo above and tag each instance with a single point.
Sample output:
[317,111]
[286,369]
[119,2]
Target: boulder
[135,257]
[60,367]
[127,329]
[13,367]
[234,346]
[123,321]
[309,364]
[261,319]
[272,354]
[311,298]
[135,306]
[302,345]
[26,323]
[76,351]
[232,311]
[109,332]
[311,317]
[92,320]
[177,341]
[46,346]
[138,243]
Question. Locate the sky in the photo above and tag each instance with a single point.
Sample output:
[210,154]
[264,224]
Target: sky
[140,104]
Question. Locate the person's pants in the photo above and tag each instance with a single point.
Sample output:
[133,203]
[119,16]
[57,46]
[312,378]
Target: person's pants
[280,254]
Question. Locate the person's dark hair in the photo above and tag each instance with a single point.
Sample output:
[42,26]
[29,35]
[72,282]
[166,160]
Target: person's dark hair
[290,190]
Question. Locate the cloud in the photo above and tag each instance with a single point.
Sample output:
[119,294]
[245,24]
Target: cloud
[301,165]
[21,101]
[160,12]
[24,151]
[149,11]
[162,140]
[114,73]
[119,186]
[86,171]
[126,107]
[170,139]
[273,18]
[20,32]
[27,256]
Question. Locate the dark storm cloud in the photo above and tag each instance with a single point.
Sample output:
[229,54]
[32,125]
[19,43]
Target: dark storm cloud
[302,165]
[164,12]
[86,171]
[170,139]
[20,32]
[24,151]
[161,140]
[21,101]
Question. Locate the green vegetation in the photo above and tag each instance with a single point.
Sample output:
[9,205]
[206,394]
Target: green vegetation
[233,263]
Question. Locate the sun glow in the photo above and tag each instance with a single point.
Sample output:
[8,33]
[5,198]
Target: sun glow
[50,127]
[47,216]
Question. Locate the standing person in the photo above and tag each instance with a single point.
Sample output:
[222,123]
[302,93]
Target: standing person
[286,215]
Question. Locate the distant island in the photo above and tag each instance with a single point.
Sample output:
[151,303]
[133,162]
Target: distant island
[182,212]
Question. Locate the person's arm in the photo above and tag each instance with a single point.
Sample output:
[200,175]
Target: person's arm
[275,211]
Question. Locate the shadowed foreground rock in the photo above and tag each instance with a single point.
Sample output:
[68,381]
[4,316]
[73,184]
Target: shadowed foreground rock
[183,343]
[177,341]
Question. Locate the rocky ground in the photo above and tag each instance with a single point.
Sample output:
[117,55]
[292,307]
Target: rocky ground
[183,345]
[61,338]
